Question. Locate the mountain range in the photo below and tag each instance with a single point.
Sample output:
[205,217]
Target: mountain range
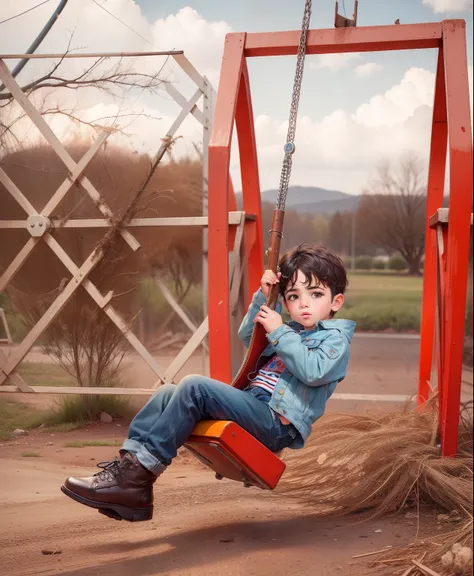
[312,200]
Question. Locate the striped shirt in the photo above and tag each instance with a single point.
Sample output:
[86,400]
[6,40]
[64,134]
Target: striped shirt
[268,375]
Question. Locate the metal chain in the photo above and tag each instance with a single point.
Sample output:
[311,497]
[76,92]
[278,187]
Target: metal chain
[295,99]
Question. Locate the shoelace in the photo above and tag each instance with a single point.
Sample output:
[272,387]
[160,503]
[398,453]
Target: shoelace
[110,470]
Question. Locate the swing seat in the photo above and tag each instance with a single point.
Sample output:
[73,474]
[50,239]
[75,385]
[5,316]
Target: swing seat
[233,453]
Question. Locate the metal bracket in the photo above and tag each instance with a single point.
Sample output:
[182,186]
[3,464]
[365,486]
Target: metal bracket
[38,225]
[342,21]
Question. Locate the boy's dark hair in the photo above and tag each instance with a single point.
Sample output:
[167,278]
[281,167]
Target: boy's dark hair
[315,261]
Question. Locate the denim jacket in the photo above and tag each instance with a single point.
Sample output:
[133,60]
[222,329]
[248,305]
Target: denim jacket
[315,362]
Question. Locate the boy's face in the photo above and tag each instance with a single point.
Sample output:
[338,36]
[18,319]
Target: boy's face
[307,304]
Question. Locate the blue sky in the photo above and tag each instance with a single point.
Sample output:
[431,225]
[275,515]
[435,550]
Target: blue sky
[355,112]
[324,90]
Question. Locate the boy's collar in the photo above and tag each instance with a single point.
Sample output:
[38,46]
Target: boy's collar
[326,324]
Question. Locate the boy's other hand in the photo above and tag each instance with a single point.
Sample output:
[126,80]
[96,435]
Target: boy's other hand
[269,278]
[268,318]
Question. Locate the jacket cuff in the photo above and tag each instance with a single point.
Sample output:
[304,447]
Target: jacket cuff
[258,298]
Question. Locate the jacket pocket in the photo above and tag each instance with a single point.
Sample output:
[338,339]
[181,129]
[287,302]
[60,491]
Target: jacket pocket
[330,351]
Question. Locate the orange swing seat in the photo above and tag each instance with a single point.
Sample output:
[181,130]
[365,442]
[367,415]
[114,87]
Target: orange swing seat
[233,453]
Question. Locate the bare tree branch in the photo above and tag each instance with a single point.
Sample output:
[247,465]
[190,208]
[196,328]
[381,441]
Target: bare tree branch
[392,210]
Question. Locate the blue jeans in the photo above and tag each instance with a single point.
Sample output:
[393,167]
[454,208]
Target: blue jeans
[168,418]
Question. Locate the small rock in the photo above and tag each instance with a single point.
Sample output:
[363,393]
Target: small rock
[19,432]
[378,531]
[119,425]
[49,444]
[443,517]
[462,560]
[411,515]
[447,559]
[106,418]
[322,458]
[50,552]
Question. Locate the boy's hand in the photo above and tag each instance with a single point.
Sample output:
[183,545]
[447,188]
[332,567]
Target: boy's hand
[268,318]
[269,278]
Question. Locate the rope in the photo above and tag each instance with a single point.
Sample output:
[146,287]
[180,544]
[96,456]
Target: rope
[295,99]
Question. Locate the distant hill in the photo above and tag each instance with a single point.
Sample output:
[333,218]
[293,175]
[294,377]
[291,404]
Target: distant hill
[304,195]
[315,200]
[348,204]
[311,199]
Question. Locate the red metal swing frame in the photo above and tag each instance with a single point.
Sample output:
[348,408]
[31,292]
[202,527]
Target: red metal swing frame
[451,127]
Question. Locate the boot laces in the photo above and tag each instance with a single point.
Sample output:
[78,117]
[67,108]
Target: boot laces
[110,470]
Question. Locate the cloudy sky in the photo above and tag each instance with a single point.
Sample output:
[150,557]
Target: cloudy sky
[355,109]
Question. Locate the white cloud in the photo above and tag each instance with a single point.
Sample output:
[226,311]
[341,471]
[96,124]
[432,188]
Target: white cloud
[440,6]
[202,41]
[334,61]
[94,30]
[367,69]
[342,150]
[338,151]
[401,101]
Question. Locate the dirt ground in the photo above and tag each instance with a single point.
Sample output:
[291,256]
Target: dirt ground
[200,525]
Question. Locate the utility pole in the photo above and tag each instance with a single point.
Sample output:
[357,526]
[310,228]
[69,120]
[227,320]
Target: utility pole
[353,242]
[41,36]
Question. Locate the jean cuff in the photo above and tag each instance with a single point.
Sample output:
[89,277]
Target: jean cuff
[146,459]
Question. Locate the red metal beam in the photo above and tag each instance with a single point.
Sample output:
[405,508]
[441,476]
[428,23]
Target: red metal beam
[337,40]
[219,182]
[250,184]
[434,200]
[459,227]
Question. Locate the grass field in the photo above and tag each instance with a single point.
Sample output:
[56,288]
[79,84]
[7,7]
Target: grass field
[17,415]
[384,301]
[37,374]
[376,301]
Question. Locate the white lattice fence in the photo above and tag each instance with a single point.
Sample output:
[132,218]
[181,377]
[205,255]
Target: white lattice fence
[41,229]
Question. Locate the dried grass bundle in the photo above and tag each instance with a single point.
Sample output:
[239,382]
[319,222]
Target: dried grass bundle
[436,553]
[358,462]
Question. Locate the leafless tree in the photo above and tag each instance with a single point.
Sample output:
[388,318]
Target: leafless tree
[119,80]
[391,214]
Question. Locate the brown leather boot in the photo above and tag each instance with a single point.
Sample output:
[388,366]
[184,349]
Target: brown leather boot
[123,489]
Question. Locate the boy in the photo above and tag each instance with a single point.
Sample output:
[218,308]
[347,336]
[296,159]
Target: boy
[302,364]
